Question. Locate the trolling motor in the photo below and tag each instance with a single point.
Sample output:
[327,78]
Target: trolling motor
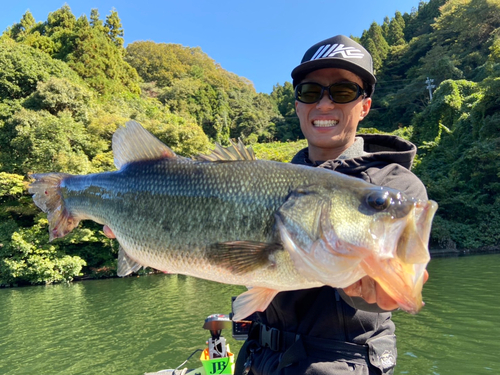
[215,323]
[216,358]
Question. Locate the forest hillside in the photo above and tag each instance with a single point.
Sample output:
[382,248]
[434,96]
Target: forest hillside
[67,83]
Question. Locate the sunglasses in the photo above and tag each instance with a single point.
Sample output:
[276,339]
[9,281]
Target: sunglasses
[342,92]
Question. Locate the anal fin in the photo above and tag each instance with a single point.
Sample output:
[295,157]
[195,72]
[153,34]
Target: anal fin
[126,265]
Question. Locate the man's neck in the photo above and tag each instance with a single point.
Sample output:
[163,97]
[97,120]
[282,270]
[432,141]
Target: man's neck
[356,149]
[318,154]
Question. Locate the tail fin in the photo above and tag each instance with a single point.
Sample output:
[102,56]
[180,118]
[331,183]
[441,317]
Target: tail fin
[47,196]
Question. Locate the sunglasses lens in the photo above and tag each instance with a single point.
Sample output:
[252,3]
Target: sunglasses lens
[344,92]
[308,92]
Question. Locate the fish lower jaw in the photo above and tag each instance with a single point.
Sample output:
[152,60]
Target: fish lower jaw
[325,123]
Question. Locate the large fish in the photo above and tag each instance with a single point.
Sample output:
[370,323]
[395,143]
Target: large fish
[233,219]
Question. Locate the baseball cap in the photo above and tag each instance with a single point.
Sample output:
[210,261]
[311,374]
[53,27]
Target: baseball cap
[337,52]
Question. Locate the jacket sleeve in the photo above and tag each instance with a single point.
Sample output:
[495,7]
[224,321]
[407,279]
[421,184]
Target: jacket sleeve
[398,177]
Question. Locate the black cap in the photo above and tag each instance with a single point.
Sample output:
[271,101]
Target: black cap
[337,52]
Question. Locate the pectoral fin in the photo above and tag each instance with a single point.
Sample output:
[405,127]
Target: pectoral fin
[126,265]
[241,257]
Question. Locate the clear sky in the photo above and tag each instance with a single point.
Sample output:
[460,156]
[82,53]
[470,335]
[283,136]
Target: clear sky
[258,39]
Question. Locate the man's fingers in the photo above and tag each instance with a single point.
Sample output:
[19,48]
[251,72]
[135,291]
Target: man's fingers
[364,288]
[368,291]
[384,301]
[371,292]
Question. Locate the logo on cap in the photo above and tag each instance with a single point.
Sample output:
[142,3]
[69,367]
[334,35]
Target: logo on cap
[329,50]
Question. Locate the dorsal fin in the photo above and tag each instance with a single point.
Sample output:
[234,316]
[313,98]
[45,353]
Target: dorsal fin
[132,143]
[237,151]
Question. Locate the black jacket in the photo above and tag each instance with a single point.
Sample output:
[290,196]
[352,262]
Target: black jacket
[326,312]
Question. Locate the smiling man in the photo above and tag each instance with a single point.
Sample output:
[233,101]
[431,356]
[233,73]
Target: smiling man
[330,127]
[327,330]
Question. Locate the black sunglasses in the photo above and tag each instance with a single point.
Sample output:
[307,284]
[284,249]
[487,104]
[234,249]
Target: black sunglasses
[342,92]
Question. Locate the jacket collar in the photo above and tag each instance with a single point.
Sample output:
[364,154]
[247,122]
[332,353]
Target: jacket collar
[376,149]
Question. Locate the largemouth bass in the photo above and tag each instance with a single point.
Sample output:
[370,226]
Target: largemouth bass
[234,219]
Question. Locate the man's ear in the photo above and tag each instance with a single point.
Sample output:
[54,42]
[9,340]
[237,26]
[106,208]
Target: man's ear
[367,104]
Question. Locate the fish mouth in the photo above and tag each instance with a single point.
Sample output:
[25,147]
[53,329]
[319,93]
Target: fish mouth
[400,267]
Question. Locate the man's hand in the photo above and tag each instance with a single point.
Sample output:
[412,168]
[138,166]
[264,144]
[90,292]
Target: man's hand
[372,292]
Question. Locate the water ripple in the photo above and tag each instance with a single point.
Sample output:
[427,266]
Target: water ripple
[116,326]
[456,332]
[134,325]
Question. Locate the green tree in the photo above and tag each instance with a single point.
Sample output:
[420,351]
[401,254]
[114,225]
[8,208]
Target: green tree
[95,20]
[255,119]
[39,141]
[99,62]
[191,84]
[459,135]
[395,34]
[465,29]
[93,50]
[184,137]
[420,21]
[287,125]
[28,260]
[58,95]
[21,29]
[59,28]
[113,27]
[22,67]
[155,62]
[373,40]
[385,27]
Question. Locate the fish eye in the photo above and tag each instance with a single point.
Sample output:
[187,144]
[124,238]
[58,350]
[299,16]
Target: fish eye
[379,200]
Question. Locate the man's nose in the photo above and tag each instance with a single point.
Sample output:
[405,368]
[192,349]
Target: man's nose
[325,101]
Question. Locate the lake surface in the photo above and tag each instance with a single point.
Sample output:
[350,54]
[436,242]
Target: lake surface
[144,324]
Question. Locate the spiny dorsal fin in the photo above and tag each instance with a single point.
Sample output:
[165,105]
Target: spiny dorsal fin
[237,151]
[132,143]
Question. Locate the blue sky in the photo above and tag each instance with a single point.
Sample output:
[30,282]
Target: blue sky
[259,40]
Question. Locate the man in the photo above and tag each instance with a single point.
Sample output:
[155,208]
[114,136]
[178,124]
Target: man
[327,330]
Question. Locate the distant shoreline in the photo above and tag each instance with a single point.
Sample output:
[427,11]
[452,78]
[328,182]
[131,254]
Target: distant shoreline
[442,253]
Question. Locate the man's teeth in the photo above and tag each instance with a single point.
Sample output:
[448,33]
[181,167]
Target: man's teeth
[325,123]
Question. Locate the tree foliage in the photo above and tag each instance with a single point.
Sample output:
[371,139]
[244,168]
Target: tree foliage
[190,83]
[23,67]
[67,83]
[455,43]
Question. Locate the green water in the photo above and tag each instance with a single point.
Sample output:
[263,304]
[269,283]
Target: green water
[137,325]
